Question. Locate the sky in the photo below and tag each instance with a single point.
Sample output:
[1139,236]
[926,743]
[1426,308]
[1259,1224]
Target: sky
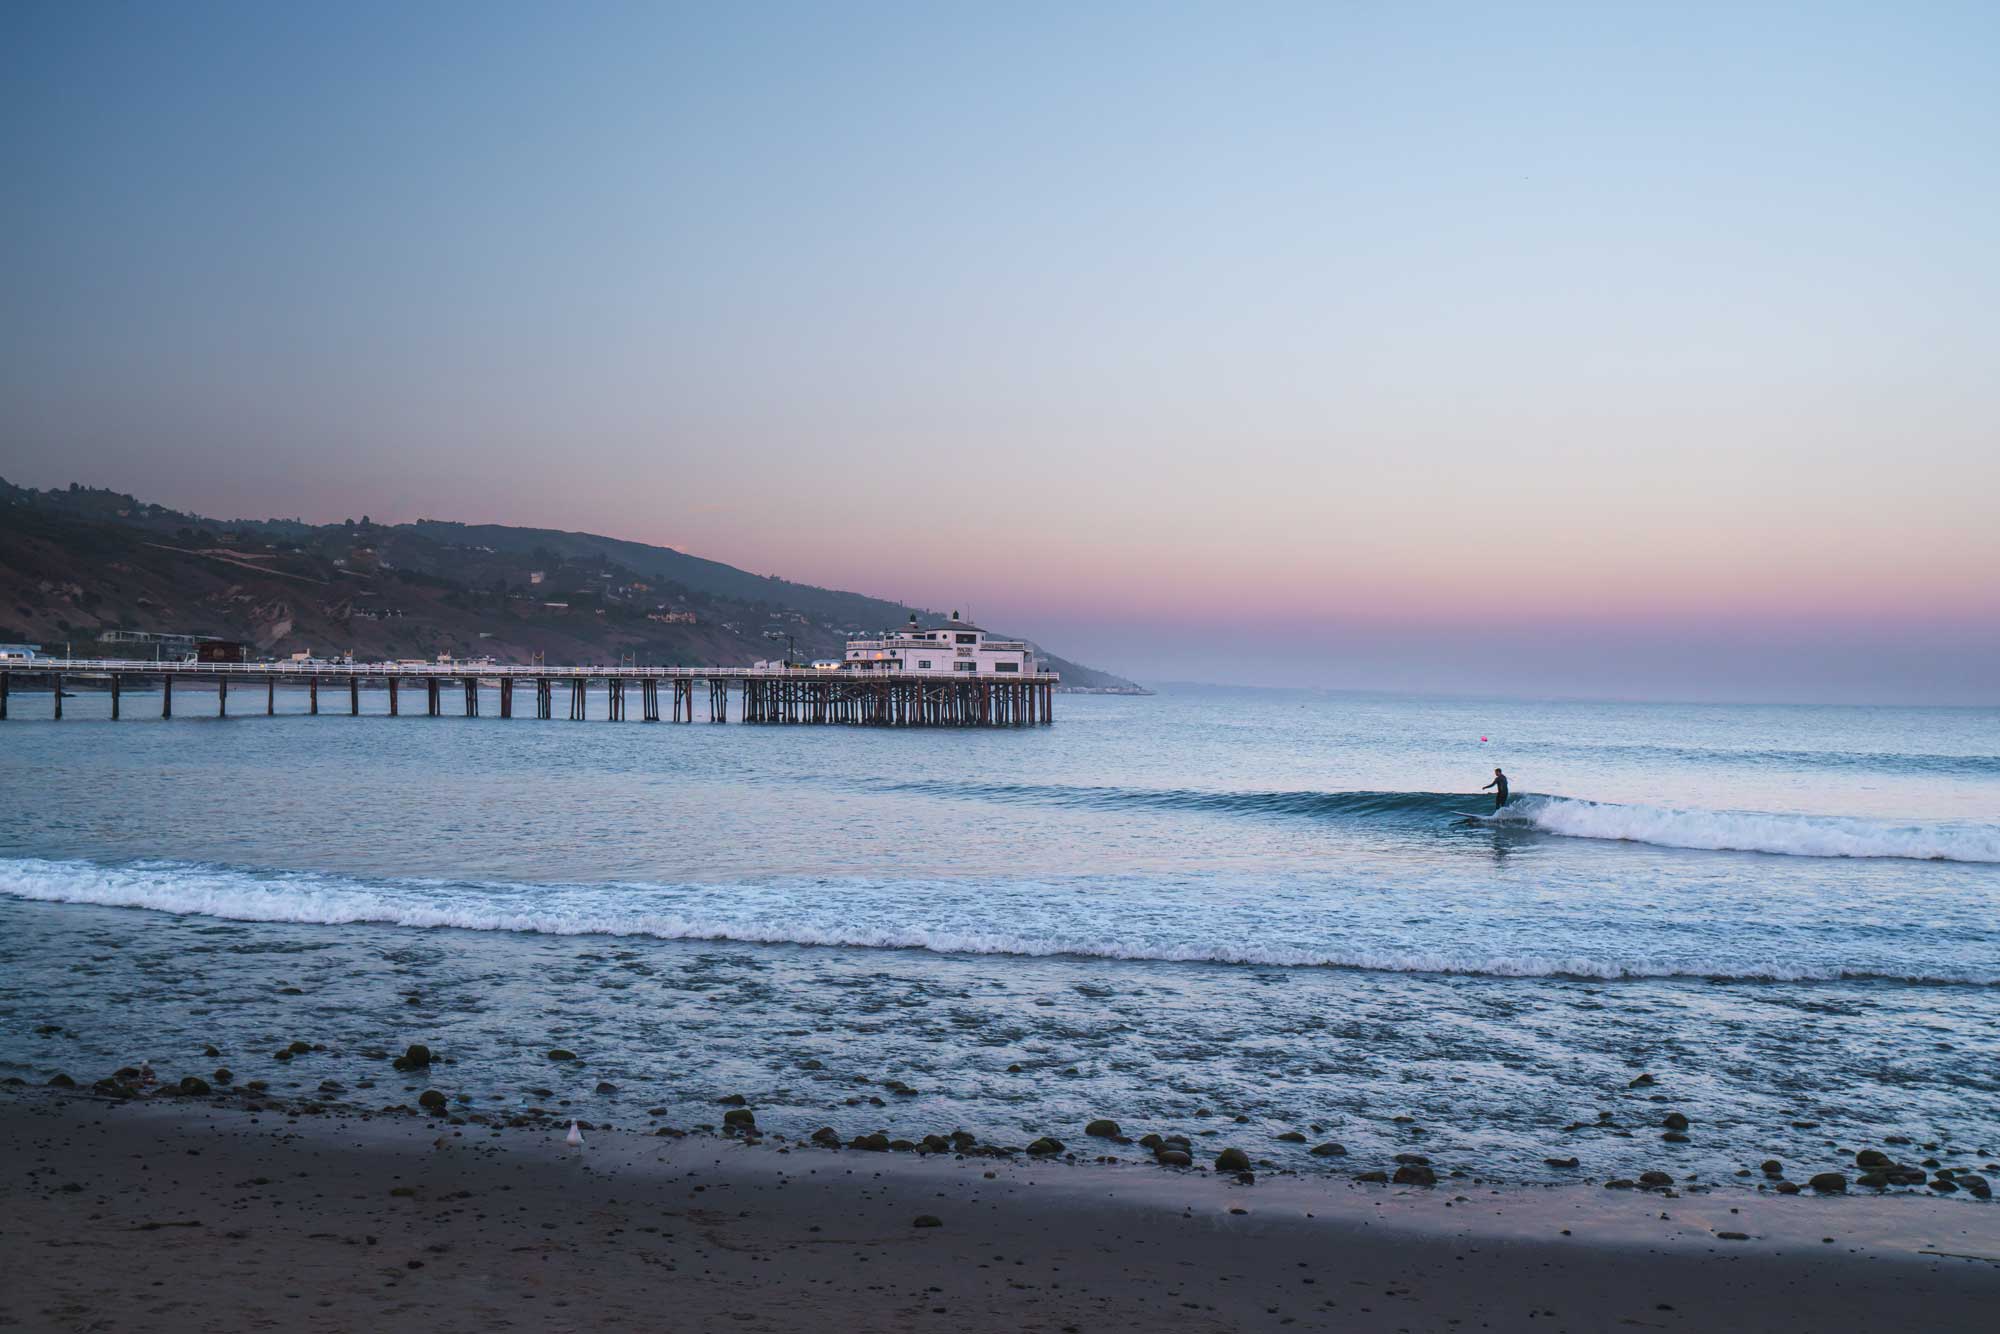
[1642,351]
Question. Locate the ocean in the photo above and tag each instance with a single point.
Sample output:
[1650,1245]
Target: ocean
[1232,914]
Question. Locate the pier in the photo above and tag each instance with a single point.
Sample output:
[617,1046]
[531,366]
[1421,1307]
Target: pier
[796,695]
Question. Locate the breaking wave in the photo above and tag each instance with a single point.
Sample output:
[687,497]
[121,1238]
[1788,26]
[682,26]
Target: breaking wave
[1571,817]
[309,898]
[1753,831]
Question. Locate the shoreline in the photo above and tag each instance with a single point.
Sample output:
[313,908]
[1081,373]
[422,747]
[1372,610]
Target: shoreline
[1650,1132]
[170,1212]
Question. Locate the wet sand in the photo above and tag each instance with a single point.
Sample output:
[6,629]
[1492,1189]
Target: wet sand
[174,1214]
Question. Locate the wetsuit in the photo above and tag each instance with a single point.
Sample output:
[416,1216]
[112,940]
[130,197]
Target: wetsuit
[1499,786]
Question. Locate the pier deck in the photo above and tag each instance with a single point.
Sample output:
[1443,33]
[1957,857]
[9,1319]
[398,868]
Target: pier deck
[764,695]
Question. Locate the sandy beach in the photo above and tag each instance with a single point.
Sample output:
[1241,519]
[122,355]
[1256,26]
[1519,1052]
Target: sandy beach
[186,1214]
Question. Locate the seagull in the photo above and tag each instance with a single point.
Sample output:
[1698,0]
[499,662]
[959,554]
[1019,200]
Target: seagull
[575,1137]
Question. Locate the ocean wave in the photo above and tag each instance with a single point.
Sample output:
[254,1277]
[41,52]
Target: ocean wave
[319,899]
[1754,831]
[1571,817]
[1390,805]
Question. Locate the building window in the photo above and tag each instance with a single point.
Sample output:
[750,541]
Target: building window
[1006,666]
[923,664]
[966,666]
[968,639]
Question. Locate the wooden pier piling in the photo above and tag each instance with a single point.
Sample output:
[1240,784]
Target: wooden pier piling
[774,696]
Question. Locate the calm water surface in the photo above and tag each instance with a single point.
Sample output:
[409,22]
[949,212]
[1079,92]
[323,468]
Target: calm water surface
[1176,911]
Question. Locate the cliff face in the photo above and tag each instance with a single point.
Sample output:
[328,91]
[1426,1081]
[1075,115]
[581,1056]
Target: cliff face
[77,563]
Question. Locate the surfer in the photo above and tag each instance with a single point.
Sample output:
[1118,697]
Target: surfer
[1499,786]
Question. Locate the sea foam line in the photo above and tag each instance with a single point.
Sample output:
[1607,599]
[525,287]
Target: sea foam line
[1753,831]
[304,898]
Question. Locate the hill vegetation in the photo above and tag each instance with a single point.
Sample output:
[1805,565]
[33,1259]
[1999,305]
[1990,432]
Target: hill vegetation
[78,563]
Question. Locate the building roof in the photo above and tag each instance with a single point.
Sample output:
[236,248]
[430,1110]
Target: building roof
[953,624]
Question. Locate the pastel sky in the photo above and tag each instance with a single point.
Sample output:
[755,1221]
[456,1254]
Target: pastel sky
[1574,349]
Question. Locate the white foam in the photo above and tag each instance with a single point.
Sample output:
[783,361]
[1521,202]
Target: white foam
[574,910]
[1752,831]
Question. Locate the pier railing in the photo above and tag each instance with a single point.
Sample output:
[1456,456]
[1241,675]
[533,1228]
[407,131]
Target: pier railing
[767,694]
[453,671]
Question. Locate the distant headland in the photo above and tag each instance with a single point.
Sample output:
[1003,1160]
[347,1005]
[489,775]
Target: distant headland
[98,572]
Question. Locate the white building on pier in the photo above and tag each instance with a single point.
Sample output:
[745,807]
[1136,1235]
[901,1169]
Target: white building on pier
[941,650]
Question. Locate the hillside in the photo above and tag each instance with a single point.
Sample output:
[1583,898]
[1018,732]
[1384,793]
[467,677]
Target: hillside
[77,563]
